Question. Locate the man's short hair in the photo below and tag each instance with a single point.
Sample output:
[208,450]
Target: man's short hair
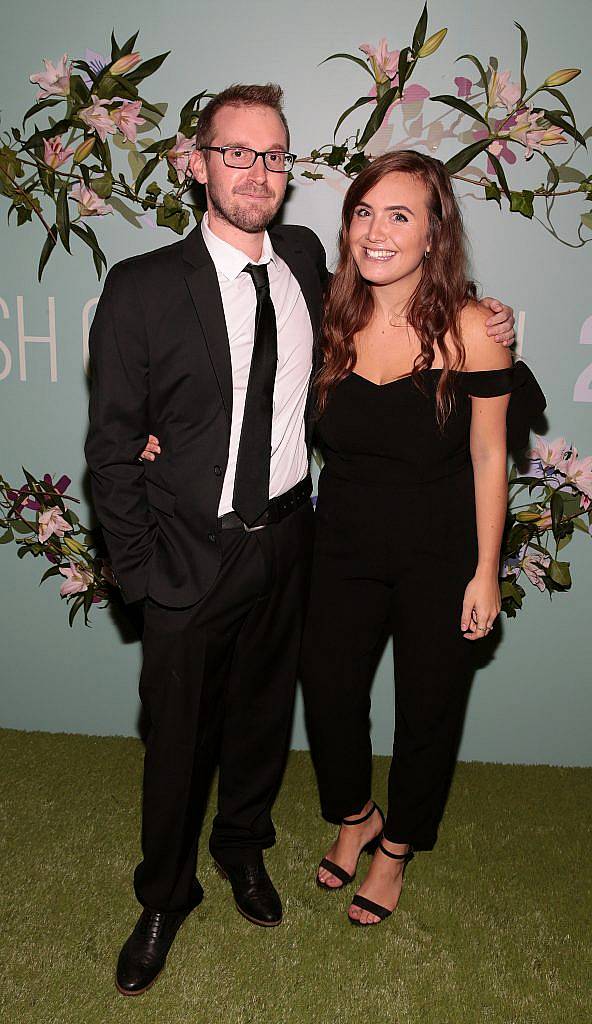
[269,95]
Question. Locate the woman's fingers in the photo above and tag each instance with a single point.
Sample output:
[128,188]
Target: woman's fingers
[152,449]
[466,619]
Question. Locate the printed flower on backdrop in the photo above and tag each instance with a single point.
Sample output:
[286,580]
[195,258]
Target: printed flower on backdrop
[54,153]
[89,203]
[52,522]
[97,62]
[76,582]
[463,87]
[97,119]
[578,473]
[55,80]
[127,118]
[535,564]
[384,62]
[178,157]
[501,91]
[498,148]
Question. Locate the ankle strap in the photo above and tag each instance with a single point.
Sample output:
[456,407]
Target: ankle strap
[359,821]
[396,856]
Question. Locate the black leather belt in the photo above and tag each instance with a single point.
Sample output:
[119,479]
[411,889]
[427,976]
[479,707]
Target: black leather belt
[277,509]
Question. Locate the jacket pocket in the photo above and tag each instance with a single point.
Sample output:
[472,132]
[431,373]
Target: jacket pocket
[160,498]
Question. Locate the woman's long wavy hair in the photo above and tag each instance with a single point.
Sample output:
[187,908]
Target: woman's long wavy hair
[434,308]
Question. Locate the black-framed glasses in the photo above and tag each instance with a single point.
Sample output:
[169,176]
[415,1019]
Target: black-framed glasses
[242,156]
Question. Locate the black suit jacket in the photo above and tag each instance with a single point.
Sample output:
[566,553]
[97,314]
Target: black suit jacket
[160,363]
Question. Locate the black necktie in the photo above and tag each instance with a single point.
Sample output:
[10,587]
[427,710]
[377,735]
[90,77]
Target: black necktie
[251,482]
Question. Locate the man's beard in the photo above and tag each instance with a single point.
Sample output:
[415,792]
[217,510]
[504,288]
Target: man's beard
[252,219]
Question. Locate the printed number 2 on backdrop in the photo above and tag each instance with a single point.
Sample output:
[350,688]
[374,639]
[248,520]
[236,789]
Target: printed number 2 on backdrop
[583,385]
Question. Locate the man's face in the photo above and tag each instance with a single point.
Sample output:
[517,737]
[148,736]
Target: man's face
[247,198]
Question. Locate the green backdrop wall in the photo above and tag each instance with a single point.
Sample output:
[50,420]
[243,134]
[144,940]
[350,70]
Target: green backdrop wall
[533,701]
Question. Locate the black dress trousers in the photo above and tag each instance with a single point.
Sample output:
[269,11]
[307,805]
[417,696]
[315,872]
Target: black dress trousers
[217,685]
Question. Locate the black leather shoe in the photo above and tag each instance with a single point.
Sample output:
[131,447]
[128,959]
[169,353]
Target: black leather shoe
[254,893]
[144,954]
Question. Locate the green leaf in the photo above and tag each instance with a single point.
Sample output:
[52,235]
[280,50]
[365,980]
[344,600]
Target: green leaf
[337,156]
[420,30]
[586,219]
[48,247]
[115,51]
[188,112]
[478,65]
[559,96]
[146,171]
[41,105]
[312,175]
[356,60]
[103,186]
[23,214]
[128,46]
[172,215]
[523,53]
[378,115]
[522,202]
[147,68]
[556,513]
[501,177]
[463,106]
[111,86]
[492,191]
[63,217]
[456,163]
[404,68]
[76,605]
[559,573]
[54,571]
[357,163]
[22,526]
[7,536]
[359,103]
[88,236]
[565,126]
[79,91]
[47,179]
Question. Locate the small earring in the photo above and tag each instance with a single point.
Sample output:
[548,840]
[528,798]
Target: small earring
[426,254]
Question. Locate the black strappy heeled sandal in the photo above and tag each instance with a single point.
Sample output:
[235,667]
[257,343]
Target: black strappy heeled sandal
[369,847]
[376,908]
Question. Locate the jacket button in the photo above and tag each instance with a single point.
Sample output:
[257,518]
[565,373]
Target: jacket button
[218,470]
[212,537]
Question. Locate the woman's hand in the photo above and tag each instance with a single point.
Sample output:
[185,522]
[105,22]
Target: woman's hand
[152,449]
[481,606]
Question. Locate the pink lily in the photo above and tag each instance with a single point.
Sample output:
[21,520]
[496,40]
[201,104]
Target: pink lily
[553,454]
[54,153]
[125,64]
[89,203]
[97,118]
[578,473]
[55,80]
[52,522]
[76,582]
[384,62]
[126,118]
[178,157]
[502,92]
[551,136]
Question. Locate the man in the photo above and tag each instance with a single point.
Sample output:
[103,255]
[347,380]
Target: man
[209,344]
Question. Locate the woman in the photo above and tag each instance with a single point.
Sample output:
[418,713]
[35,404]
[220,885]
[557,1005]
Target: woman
[412,399]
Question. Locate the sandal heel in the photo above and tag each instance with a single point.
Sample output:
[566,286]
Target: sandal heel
[370,847]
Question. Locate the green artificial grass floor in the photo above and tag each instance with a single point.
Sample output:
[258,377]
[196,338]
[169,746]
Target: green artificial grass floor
[492,928]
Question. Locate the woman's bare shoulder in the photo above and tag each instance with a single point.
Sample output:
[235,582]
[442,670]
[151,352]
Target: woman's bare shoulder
[481,351]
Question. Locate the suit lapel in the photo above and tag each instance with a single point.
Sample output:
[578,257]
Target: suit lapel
[305,273]
[202,282]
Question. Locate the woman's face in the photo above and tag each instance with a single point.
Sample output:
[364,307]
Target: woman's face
[388,234]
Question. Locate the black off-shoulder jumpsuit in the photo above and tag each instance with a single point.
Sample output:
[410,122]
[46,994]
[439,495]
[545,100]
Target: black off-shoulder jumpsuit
[396,545]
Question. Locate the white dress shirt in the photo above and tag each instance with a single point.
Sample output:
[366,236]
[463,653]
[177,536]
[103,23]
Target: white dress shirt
[289,459]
